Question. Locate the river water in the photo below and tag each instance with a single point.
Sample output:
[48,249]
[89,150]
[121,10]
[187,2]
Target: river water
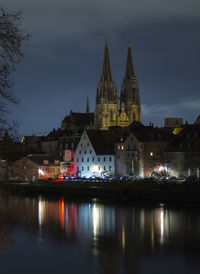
[57,235]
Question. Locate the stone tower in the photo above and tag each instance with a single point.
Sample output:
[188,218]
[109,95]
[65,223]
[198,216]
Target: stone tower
[130,96]
[106,110]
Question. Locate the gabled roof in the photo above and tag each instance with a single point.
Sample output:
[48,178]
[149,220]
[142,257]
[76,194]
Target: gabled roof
[103,140]
[39,158]
[150,133]
[78,119]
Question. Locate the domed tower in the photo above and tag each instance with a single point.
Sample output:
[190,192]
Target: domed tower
[106,110]
[130,96]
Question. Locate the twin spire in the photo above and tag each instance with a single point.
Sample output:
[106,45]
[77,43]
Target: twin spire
[106,72]
[129,63]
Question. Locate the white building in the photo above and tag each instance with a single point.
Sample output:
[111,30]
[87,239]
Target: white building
[94,155]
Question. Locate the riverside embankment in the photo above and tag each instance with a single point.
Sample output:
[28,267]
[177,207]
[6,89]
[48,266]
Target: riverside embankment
[130,192]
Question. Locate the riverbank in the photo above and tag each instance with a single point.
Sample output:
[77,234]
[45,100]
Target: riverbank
[129,192]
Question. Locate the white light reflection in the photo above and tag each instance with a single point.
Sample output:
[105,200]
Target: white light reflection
[162,223]
[41,212]
[95,219]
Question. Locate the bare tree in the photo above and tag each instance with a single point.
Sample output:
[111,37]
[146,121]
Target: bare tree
[12,38]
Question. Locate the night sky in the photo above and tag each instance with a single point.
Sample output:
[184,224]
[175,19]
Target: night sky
[63,60]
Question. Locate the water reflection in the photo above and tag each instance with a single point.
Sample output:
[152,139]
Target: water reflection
[121,238]
[5,229]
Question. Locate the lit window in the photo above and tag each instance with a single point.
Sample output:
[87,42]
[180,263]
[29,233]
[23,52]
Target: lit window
[122,147]
[151,153]
[118,147]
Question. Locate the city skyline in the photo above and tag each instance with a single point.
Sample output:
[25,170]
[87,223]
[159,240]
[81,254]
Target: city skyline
[63,60]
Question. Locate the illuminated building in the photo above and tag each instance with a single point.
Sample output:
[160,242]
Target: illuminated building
[142,151]
[182,155]
[107,112]
[95,154]
[36,167]
[67,167]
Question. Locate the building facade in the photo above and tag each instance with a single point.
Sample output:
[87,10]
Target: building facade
[94,155]
[36,167]
[182,155]
[107,112]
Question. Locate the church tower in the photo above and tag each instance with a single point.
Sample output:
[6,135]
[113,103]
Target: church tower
[130,97]
[106,110]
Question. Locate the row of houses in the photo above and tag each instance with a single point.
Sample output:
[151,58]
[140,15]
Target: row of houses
[134,151]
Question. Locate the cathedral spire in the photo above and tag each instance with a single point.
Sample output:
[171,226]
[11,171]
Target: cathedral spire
[87,105]
[106,72]
[97,95]
[129,63]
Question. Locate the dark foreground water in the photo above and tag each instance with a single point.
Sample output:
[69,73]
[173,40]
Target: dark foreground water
[41,235]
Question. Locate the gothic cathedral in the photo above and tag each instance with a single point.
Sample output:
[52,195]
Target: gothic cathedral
[107,112]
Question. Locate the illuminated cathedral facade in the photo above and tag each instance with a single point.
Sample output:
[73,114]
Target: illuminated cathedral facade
[108,111]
